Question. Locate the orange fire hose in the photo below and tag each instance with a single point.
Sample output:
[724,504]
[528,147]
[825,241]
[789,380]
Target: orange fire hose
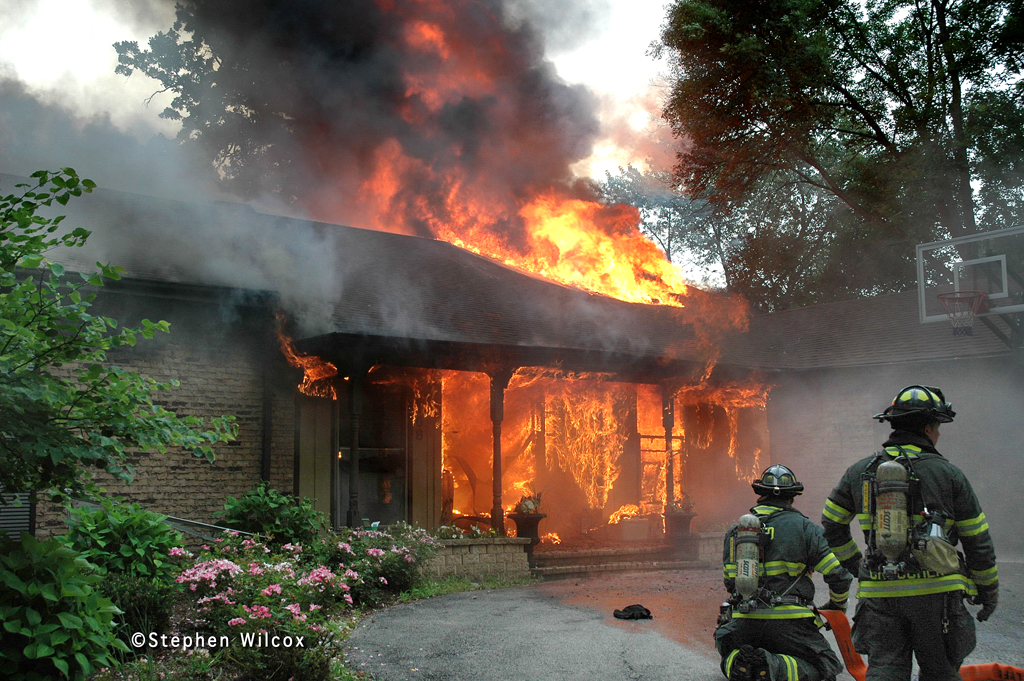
[992,671]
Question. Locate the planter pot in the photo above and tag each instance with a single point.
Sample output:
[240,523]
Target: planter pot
[679,537]
[527,525]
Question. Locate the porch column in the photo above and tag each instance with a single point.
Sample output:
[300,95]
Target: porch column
[668,421]
[355,410]
[499,381]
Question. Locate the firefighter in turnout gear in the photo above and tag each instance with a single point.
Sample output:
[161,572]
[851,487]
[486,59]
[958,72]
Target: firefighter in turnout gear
[913,506]
[768,631]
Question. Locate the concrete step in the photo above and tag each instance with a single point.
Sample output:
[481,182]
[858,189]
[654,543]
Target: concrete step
[581,570]
[595,556]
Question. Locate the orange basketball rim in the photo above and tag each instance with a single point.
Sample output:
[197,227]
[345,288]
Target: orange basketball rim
[992,671]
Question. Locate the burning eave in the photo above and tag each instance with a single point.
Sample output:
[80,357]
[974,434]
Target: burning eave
[355,352]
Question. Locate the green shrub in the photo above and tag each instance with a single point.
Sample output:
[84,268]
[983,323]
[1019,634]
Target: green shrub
[282,518]
[125,540]
[145,604]
[385,562]
[54,621]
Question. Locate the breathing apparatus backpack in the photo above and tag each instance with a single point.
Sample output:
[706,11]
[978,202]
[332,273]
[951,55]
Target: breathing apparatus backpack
[749,592]
[896,546]
[748,556]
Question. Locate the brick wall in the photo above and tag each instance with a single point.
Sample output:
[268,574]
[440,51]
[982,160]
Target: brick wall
[479,558]
[225,362]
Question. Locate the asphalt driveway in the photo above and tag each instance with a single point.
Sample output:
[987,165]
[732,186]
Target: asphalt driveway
[564,631]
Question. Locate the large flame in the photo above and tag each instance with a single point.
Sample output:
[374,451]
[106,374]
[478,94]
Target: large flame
[595,448]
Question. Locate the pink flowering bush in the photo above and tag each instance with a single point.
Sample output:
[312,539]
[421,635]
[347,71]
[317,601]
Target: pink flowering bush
[236,588]
[377,564]
[244,585]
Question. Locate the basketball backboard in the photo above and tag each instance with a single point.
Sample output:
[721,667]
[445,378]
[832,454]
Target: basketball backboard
[992,262]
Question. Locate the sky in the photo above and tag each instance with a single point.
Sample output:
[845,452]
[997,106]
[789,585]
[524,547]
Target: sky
[37,37]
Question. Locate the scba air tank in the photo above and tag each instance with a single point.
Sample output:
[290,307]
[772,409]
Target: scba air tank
[748,555]
[891,520]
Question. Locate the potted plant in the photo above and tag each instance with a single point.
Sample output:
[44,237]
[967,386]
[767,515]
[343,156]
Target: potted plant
[527,516]
[677,527]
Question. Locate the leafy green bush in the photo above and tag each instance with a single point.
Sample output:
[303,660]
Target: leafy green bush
[238,587]
[380,563]
[54,621]
[125,539]
[282,518]
[145,604]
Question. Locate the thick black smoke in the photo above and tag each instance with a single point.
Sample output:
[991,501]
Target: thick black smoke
[398,114]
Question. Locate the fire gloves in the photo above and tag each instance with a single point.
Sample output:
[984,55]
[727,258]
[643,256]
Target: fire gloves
[988,601]
[832,605]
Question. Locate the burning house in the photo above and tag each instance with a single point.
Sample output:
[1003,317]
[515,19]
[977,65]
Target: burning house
[392,377]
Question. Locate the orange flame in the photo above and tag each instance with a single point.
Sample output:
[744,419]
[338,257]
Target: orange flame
[317,374]
[626,511]
[550,538]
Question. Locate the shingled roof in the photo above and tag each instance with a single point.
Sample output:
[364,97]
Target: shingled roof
[354,282]
[863,332]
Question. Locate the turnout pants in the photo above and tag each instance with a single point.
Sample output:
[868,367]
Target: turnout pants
[890,630]
[797,650]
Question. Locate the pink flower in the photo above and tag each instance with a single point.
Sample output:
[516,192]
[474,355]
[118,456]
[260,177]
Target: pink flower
[178,551]
[348,599]
[296,610]
[376,553]
[409,558]
[314,608]
[294,548]
[238,621]
[346,547]
[257,611]
[383,581]
[271,590]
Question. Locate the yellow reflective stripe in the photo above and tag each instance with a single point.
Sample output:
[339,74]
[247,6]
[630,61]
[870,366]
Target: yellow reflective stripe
[986,577]
[729,660]
[729,569]
[837,513]
[781,567]
[971,527]
[791,673]
[839,596]
[765,510]
[847,550]
[916,586]
[780,612]
[911,450]
[827,564]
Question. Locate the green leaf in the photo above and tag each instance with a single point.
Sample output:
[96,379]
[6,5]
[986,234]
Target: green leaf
[61,665]
[57,269]
[70,621]
[31,261]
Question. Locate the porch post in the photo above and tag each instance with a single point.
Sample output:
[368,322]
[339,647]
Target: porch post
[355,410]
[499,381]
[668,420]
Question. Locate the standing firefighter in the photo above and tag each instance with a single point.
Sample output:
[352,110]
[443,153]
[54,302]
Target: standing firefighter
[913,506]
[768,630]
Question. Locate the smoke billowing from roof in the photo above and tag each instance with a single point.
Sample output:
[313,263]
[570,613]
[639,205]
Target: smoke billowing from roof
[396,114]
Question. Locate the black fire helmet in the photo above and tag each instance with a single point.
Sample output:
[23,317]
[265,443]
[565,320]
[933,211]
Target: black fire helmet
[778,480]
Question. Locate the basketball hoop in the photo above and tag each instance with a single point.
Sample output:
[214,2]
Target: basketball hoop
[961,307]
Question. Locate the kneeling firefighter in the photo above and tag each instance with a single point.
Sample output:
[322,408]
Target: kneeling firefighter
[769,630]
[914,506]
